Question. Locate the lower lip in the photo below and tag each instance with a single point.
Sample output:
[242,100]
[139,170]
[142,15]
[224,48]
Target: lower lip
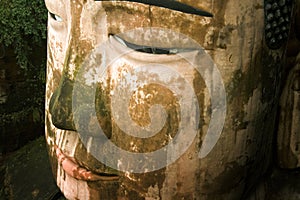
[70,166]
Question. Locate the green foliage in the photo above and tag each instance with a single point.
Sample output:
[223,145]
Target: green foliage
[23,26]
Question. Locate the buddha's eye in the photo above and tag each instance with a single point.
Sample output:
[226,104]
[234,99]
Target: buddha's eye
[152,49]
[55,17]
[145,49]
[173,5]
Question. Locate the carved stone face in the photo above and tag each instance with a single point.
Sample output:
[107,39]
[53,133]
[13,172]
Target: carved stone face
[85,35]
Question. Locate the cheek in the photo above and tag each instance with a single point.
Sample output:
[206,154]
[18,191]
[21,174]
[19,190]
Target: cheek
[57,44]
[56,55]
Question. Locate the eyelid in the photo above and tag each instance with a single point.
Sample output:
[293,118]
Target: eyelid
[173,5]
[151,49]
[56,17]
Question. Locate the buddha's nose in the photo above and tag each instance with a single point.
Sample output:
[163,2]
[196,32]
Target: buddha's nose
[61,105]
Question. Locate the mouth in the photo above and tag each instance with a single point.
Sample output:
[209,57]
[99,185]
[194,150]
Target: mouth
[73,169]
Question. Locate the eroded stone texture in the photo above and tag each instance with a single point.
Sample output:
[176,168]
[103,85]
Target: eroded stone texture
[234,38]
[288,134]
[288,139]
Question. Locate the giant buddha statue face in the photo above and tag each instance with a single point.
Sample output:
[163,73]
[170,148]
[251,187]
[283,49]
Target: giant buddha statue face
[160,99]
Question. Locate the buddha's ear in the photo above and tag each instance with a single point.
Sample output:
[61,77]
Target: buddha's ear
[173,5]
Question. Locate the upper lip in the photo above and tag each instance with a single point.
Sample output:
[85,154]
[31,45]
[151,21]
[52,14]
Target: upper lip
[72,168]
[173,5]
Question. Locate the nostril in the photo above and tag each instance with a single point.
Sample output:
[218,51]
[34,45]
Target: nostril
[61,105]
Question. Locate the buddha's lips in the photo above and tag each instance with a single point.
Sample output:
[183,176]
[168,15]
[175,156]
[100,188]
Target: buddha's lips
[70,166]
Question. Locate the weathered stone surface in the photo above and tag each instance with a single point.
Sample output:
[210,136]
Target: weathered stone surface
[16,183]
[288,136]
[26,174]
[251,72]
[278,185]
[288,139]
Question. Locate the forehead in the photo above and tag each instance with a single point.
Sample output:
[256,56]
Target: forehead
[56,4]
[202,8]
[121,16]
[173,5]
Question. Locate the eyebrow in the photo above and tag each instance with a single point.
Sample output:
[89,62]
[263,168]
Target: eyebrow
[173,5]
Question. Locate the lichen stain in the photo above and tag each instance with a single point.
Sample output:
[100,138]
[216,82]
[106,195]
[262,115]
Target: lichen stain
[140,115]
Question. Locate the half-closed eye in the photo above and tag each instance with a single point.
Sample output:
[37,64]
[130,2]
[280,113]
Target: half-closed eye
[55,17]
[173,5]
[151,49]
